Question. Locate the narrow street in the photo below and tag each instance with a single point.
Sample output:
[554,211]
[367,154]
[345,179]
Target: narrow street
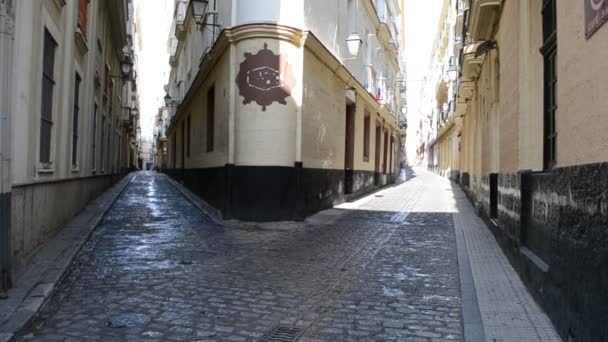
[385,270]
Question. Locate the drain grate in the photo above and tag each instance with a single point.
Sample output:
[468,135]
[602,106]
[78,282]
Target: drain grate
[282,334]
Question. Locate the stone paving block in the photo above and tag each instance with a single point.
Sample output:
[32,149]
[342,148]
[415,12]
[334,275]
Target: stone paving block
[384,270]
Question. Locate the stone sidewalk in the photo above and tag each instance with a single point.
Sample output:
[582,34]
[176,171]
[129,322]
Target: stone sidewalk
[50,263]
[496,305]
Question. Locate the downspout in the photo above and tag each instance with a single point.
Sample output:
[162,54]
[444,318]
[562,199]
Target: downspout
[7,31]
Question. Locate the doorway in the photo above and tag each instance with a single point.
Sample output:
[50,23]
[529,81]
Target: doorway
[377,155]
[349,149]
[494,195]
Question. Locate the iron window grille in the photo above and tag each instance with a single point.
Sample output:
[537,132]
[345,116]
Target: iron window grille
[48,83]
[210,119]
[75,121]
[94,138]
[549,51]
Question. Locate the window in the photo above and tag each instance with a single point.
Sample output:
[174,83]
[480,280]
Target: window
[210,118]
[75,120]
[48,83]
[93,156]
[99,63]
[106,80]
[366,132]
[549,51]
[108,151]
[174,150]
[188,137]
[183,145]
[385,160]
[83,16]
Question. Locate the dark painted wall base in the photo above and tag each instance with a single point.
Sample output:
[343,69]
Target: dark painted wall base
[274,193]
[5,239]
[553,226]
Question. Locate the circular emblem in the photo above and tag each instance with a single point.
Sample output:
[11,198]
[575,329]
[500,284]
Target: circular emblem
[596,4]
[265,78]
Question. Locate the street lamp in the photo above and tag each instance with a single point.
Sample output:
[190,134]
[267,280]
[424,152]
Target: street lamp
[198,10]
[126,66]
[169,102]
[353,42]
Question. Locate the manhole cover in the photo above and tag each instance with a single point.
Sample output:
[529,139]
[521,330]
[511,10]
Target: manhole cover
[282,334]
[129,320]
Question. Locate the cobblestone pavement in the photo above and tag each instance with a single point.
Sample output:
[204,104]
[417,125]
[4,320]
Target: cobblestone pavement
[386,270]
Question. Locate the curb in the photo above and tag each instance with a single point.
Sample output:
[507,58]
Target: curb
[211,213]
[472,324]
[41,291]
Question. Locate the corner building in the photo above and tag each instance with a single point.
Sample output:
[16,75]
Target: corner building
[272,117]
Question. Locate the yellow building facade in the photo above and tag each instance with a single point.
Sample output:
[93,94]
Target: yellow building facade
[531,118]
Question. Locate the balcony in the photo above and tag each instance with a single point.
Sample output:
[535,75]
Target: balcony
[181,8]
[471,65]
[483,19]
[385,26]
[173,51]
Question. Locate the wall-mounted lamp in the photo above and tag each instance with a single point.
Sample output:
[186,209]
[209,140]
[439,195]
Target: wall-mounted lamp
[126,65]
[168,101]
[198,10]
[353,42]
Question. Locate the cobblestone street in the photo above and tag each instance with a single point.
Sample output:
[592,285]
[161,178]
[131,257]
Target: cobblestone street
[380,272]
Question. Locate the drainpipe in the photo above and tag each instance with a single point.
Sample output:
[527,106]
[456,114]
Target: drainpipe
[7,31]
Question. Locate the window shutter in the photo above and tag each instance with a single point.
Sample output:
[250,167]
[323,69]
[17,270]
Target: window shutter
[83,16]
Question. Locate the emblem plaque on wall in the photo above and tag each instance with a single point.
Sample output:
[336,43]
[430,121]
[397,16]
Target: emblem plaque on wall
[265,78]
[596,15]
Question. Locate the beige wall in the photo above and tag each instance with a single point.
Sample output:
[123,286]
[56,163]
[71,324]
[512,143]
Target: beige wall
[582,88]
[507,38]
[197,111]
[268,137]
[323,117]
[324,122]
[530,86]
